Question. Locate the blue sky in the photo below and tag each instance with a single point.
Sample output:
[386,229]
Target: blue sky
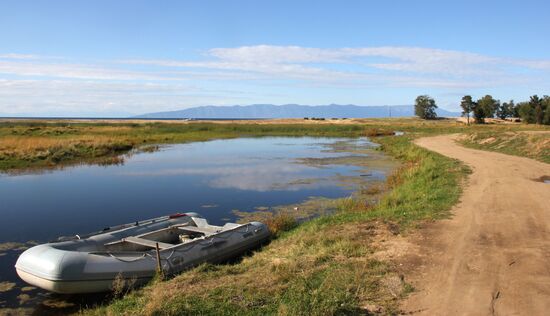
[117,58]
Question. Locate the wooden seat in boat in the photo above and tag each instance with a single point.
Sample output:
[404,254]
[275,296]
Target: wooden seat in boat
[203,230]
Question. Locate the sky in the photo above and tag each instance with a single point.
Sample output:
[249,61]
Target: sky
[122,58]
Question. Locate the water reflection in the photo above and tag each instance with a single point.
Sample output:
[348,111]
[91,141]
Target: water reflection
[212,178]
[255,176]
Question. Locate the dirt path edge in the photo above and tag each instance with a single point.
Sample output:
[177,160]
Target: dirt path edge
[493,256]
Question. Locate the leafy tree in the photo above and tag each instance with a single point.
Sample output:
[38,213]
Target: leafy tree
[467,106]
[536,104]
[488,106]
[516,110]
[512,109]
[479,114]
[546,105]
[526,112]
[536,111]
[505,110]
[424,107]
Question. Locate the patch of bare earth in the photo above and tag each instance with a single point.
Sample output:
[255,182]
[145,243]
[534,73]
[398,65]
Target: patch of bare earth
[492,257]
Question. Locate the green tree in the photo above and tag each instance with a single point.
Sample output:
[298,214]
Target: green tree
[467,106]
[511,109]
[488,105]
[526,112]
[505,110]
[424,107]
[479,114]
[537,105]
[515,110]
[546,105]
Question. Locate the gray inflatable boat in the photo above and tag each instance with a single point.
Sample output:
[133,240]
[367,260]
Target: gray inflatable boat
[91,263]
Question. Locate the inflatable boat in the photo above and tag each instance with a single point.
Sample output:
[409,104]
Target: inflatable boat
[134,252]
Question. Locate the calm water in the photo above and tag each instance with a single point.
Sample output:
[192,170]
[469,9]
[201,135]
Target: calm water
[212,178]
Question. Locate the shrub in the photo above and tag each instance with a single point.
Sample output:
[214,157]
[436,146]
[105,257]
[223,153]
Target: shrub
[280,222]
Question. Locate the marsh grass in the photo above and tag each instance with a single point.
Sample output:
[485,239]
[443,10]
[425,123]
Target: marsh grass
[37,144]
[42,144]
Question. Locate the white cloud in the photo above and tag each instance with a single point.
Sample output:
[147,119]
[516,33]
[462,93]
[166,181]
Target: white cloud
[386,64]
[253,74]
[534,64]
[277,54]
[69,97]
[17,56]
[75,71]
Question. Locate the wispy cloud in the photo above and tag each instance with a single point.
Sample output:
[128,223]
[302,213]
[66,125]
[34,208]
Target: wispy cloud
[75,71]
[258,72]
[403,66]
[17,56]
[90,97]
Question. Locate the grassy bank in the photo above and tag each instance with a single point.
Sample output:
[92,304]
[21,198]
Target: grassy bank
[322,267]
[46,144]
[531,144]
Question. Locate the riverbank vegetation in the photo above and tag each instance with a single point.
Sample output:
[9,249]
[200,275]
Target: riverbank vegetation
[50,144]
[30,144]
[322,267]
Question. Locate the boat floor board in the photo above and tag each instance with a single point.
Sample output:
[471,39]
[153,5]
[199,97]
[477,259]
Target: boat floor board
[147,242]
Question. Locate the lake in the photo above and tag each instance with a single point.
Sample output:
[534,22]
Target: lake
[218,179]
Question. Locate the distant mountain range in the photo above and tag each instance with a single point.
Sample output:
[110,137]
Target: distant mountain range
[291,111]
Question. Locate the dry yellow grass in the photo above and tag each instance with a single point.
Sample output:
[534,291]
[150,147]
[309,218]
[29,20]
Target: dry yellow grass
[31,144]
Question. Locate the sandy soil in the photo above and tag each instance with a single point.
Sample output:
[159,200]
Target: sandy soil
[493,256]
[491,120]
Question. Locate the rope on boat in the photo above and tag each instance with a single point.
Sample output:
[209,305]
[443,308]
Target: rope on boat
[131,260]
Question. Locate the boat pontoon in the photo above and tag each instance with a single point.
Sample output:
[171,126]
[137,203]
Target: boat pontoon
[91,263]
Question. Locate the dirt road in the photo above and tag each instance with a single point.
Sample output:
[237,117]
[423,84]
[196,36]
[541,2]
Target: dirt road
[493,256]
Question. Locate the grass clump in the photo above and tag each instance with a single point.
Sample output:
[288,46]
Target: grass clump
[280,222]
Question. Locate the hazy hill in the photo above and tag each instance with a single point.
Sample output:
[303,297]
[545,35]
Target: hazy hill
[292,111]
